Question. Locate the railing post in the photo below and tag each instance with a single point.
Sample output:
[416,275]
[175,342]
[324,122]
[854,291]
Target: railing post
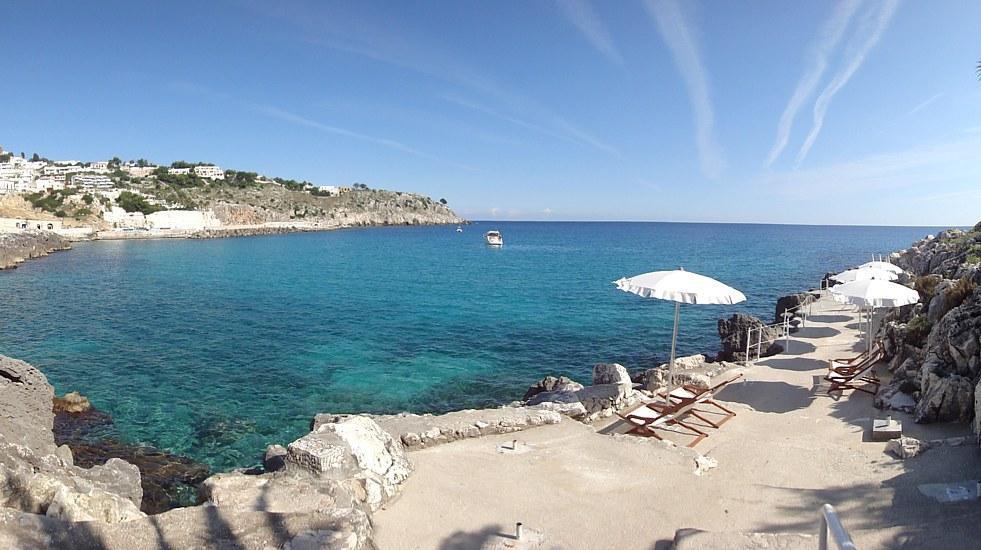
[759,344]
[749,334]
[823,535]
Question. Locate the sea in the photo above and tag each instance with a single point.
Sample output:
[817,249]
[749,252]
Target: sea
[214,349]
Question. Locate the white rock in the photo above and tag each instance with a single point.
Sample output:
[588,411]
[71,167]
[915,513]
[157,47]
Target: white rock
[705,463]
[906,447]
[610,373]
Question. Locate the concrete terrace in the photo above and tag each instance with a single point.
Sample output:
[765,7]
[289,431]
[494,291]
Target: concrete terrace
[790,449]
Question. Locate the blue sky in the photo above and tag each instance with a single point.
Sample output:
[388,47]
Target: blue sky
[785,112]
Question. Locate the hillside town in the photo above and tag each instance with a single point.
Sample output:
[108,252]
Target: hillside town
[116,199]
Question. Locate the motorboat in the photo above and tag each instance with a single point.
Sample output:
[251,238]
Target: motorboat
[494,238]
[459,229]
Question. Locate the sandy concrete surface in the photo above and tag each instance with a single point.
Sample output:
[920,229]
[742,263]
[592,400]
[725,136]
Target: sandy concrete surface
[790,449]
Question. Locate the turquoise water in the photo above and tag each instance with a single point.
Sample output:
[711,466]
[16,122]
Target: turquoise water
[215,348]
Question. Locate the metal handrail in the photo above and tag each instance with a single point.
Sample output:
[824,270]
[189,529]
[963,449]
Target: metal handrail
[830,524]
[785,326]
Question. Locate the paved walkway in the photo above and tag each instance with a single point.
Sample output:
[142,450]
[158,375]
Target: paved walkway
[790,449]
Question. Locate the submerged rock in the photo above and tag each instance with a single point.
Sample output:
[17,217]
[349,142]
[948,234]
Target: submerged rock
[72,402]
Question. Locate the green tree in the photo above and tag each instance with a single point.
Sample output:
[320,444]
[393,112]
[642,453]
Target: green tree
[131,202]
[35,157]
[87,198]
[115,163]
[442,201]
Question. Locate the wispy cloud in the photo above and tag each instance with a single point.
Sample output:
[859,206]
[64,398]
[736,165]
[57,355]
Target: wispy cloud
[582,15]
[379,40]
[676,33]
[953,161]
[924,104]
[559,127]
[284,115]
[867,36]
[827,39]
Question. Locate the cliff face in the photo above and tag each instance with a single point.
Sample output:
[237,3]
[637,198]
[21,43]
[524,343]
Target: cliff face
[357,208]
[934,346]
[17,247]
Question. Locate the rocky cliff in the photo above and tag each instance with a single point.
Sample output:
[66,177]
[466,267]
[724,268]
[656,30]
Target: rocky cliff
[17,247]
[934,346]
[319,494]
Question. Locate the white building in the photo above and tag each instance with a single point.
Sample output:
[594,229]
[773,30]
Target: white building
[182,220]
[24,224]
[92,181]
[100,166]
[121,219]
[209,172]
[330,189]
[139,171]
[179,171]
[59,170]
[7,186]
[49,184]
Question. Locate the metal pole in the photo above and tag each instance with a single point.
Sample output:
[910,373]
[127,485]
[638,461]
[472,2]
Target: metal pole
[759,344]
[674,339]
[749,334]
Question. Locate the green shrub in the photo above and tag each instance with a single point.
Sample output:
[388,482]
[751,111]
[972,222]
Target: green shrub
[977,227]
[956,294]
[973,254]
[927,286]
[131,202]
[917,330]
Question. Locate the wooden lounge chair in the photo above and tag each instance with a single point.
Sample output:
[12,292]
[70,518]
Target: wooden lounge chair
[877,348]
[846,367]
[855,378]
[673,409]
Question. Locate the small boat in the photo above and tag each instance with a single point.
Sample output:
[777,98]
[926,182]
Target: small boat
[494,238]
[459,229]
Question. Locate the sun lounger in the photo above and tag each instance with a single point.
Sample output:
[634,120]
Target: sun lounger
[674,407]
[847,367]
[855,378]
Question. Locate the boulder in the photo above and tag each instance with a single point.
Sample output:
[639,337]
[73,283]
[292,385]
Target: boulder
[654,380]
[790,302]
[274,458]
[943,397]
[906,447]
[610,373]
[72,402]
[603,400]
[550,384]
[732,333]
[280,493]
[91,505]
[35,483]
[955,340]
[26,417]
[354,449]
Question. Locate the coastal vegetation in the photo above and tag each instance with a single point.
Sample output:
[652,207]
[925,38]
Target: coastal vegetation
[131,202]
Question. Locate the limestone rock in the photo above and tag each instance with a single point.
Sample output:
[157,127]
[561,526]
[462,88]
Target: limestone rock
[26,417]
[196,527]
[550,384]
[426,430]
[274,458]
[92,505]
[944,397]
[906,447]
[610,373]
[280,493]
[20,246]
[354,448]
[732,333]
[791,303]
[72,402]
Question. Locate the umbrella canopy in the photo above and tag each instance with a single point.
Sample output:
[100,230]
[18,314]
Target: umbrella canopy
[885,266]
[876,293]
[865,273]
[681,287]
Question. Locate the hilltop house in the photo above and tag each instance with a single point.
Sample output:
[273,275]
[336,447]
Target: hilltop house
[210,172]
[179,171]
[92,181]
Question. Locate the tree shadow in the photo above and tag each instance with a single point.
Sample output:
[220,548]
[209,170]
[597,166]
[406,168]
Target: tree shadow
[817,332]
[765,396]
[798,364]
[463,540]
[796,347]
[829,318]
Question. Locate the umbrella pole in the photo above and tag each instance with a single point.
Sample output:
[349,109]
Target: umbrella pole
[674,339]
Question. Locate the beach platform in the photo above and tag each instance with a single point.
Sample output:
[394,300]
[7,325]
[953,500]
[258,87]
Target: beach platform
[791,449]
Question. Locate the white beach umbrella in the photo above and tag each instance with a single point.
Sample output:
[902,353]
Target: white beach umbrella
[873,293]
[681,287]
[885,266]
[865,273]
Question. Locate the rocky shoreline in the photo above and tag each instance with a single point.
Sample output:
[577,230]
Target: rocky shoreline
[16,248]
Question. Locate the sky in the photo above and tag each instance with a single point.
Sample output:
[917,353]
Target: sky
[857,112]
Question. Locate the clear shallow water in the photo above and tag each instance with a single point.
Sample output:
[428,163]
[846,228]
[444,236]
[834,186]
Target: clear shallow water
[216,348]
